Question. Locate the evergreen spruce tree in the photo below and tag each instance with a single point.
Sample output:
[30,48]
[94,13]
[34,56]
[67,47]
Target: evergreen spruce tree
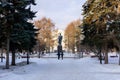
[14,16]
[101,22]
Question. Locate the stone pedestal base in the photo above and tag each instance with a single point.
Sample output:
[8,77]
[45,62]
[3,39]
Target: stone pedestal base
[60,51]
[59,48]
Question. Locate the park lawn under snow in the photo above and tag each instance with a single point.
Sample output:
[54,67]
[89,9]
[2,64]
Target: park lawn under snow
[68,69]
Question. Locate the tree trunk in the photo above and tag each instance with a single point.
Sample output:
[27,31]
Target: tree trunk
[119,54]
[100,57]
[119,58]
[13,59]
[28,57]
[106,56]
[39,55]
[2,54]
[7,53]
[81,52]
[73,50]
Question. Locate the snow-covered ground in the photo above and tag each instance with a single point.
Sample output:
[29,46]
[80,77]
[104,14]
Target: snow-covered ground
[67,69]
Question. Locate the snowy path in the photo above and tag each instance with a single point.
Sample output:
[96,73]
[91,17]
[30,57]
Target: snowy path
[67,69]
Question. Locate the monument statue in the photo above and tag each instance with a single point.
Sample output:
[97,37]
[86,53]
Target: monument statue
[60,39]
[59,48]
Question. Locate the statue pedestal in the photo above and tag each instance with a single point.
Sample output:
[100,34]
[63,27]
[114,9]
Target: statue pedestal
[60,52]
[59,48]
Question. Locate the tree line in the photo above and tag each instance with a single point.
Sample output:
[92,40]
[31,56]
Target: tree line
[47,35]
[73,36]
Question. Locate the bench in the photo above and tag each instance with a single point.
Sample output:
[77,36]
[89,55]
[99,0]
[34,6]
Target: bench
[2,57]
[23,56]
[93,56]
[113,56]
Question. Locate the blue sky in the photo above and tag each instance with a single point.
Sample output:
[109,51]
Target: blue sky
[61,12]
